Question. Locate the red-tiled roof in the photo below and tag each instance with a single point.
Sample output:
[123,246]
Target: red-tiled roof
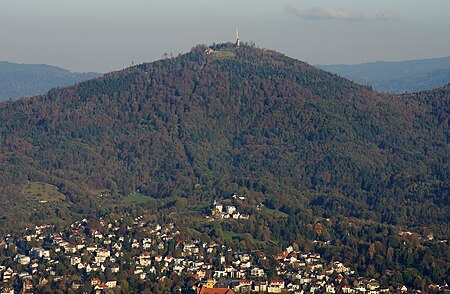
[205,290]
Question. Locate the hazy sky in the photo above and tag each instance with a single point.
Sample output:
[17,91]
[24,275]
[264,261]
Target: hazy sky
[105,35]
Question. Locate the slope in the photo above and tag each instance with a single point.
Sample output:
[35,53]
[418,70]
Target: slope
[247,120]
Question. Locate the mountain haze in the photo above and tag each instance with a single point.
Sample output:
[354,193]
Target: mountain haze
[397,77]
[241,119]
[25,80]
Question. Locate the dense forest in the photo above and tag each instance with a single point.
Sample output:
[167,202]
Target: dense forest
[246,120]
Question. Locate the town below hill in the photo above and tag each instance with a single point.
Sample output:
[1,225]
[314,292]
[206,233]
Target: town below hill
[142,254]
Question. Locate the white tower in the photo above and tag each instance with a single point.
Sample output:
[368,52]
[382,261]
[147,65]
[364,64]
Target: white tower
[238,42]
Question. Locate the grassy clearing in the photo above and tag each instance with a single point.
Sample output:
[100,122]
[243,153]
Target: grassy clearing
[193,231]
[224,54]
[275,213]
[136,198]
[228,235]
[227,54]
[37,191]
[98,192]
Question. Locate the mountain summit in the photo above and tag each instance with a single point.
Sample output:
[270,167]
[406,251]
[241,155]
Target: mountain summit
[227,118]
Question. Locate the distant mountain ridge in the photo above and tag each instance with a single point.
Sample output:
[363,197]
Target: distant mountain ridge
[25,80]
[397,77]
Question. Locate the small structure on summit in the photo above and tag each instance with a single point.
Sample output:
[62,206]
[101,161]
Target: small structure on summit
[225,49]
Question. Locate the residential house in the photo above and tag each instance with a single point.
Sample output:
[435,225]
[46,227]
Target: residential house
[275,286]
[330,288]
[22,259]
[257,272]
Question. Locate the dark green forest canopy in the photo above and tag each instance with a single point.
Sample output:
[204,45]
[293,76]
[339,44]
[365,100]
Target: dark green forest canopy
[242,119]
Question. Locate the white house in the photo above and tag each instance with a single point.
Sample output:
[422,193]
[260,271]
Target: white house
[330,289]
[231,209]
[39,252]
[22,259]
[257,272]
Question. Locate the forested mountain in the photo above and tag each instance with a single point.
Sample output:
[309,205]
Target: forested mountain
[245,119]
[397,77]
[25,80]
[332,161]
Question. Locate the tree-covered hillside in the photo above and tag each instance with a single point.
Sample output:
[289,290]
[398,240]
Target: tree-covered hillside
[242,119]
